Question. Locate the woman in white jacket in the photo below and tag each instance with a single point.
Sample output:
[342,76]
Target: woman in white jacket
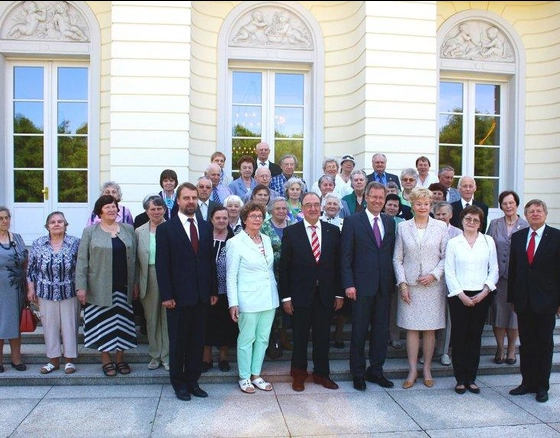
[252,295]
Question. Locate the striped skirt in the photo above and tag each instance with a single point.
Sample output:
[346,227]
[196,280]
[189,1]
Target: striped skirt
[110,328]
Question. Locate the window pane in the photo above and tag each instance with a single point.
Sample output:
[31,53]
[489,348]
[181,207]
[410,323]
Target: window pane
[72,186]
[72,152]
[289,89]
[28,152]
[28,83]
[487,98]
[28,117]
[72,118]
[288,123]
[450,97]
[487,130]
[451,129]
[28,186]
[72,83]
[487,191]
[247,121]
[247,88]
[486,161]
[452,156]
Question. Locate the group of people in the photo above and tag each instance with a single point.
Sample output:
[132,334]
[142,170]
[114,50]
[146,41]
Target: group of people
[224,266]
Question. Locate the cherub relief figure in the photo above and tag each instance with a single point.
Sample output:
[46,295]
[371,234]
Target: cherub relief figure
[30,22]
[254,30]
[64,25]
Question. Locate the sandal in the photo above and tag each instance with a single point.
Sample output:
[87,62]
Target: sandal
[109,369]
[261,384]
[49,368]
[246,386]
[123,368]
[69,368]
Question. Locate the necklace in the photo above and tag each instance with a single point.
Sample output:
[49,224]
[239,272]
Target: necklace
[256,237]
[510,223]
[10,243]
[420,227]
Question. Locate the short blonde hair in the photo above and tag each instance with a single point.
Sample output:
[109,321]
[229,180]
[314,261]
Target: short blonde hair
[420,192]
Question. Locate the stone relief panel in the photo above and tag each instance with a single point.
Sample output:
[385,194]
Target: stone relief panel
[52,21]
[271,27]
[477,40]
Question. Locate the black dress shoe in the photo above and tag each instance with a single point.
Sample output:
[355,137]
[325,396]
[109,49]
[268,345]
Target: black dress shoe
[340,345]
[206,366]
[183,394]
[472,387]
[460,388]
[542,396]
[381,381]
[520,390]
[19,366]
[223,365]
[359,384]
[197,391]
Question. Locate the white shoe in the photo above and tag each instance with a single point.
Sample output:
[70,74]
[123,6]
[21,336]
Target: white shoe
[154,364]
[445,359]
[421,360]
[165,366]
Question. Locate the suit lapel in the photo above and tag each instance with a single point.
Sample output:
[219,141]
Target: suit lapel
[180,230]
[303,237]
[542,244]
[365,222]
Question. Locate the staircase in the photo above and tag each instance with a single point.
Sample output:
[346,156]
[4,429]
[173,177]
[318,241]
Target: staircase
[89,366]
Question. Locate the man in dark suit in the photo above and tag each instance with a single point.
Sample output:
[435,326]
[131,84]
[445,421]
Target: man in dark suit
[186,275]
[534,291]
[467,187]
[205,204]
[310,289]
[379,164]
[262,151]
[367,245]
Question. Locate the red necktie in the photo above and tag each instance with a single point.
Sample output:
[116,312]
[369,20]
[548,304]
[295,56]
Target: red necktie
[315,243]
[531,248]
[194,235]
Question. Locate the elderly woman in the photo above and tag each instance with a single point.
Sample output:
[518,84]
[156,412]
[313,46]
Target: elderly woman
[146,287]
[124,215]
[409,178]
[331,168]
[418,262]
[233,204]
[104,281]
[326,185]
[471,274]
[331,206]
[13,265]
[51,279]
[439,192]
[221,331]
[294,188]
[243,185]
[355,201]
[502,318]
[274,228]
[442,211]
[252,295]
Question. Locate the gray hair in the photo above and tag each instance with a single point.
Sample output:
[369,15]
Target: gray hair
[410,172]
[536,202]
[155,198]
[325,178]
[439,205]
[233,198]
[328,160]
[330,196]
[54,213]
[270,206]
[294,180]
[283,157]
[112,184]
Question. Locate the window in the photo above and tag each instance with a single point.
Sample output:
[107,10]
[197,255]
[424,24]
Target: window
[267,105]
[471,134]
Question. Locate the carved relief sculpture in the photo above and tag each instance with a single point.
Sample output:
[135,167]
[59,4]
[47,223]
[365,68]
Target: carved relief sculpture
[280,29]
[477,40]
[46,21]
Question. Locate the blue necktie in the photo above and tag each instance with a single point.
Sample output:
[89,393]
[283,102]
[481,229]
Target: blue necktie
[215,196]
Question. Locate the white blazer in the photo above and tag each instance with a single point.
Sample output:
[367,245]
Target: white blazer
[249,274]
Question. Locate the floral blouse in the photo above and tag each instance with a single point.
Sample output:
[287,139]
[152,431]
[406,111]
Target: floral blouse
[53,273]
[275,235]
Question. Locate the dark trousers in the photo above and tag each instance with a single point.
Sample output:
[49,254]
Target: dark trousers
[316,318]
[467,324]
[536,348]
[369,311]
[187,331]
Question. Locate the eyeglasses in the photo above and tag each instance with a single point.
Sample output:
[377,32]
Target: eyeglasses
[408,179]
[204,187]
[5,218]
[255,217]
[471,220]
[315,205]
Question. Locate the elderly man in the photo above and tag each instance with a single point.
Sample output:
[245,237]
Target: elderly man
[263,176]
[445,176]
[288,164]
[205,204]
[379,164]
[467,187]
[219,191]
[262,151]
